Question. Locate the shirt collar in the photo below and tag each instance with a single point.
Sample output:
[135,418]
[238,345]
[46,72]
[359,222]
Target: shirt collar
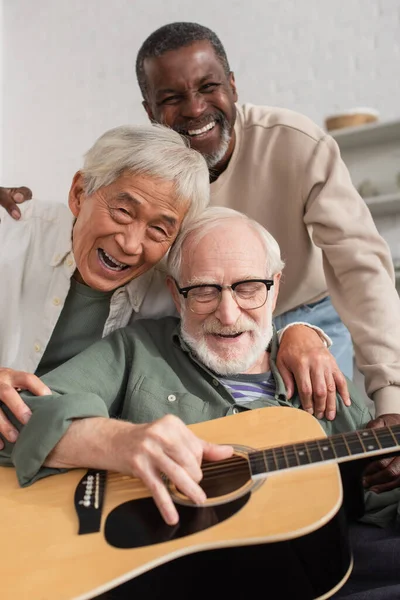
[63,249]
[272,348]
[138,288]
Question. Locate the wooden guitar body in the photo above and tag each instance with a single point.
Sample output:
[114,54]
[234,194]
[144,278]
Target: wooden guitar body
[292,518]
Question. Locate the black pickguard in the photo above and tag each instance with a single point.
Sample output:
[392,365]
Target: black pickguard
[139,523]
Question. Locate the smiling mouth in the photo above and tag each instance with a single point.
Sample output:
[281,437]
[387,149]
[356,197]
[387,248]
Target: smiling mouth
[201,130]
[226,335]
[110,262]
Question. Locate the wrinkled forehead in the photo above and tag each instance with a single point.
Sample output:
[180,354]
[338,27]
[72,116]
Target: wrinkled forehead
[174,67]
[228,251]
[146,191]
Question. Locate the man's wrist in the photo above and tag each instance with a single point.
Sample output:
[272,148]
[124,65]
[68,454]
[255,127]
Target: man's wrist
[387,400]
[326,340]
[94,442]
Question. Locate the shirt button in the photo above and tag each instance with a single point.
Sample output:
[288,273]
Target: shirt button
[235,411]
[215,382]
[56,301]
[171,398]
[69,262]
[37,347]
[57,257]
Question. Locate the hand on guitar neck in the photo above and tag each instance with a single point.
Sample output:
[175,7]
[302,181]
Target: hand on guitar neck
[383,475]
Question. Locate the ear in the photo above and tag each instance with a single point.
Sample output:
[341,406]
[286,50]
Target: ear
[277,281]
[147,108]
[174,293]
[76,194]
[232,84]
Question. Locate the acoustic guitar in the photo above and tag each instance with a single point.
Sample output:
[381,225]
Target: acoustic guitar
[75,535]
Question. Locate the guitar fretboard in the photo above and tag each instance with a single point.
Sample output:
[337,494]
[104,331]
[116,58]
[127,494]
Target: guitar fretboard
[338,448]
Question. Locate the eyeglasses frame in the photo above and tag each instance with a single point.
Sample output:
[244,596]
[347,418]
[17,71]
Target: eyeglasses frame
[184,291]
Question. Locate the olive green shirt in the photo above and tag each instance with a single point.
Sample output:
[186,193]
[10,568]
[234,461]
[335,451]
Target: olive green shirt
[140,374]
[80,324]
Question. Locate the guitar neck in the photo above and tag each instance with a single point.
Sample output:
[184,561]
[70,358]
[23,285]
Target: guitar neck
[353,445]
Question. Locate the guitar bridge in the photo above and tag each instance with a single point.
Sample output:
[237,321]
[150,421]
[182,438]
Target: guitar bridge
[88,500]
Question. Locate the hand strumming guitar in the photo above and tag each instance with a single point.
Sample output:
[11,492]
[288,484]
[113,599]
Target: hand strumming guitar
[148,451]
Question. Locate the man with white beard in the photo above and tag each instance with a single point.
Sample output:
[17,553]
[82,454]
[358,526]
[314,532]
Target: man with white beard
[228,331]
[127,399]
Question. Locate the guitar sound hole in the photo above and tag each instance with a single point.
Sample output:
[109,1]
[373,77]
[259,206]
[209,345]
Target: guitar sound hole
[222,478]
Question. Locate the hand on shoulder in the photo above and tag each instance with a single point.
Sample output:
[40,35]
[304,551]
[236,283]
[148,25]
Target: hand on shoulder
[10,197]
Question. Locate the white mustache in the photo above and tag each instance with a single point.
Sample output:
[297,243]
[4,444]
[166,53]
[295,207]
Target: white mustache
[215,327]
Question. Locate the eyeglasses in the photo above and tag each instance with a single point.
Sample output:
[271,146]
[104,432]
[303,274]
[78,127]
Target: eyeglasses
[204,298]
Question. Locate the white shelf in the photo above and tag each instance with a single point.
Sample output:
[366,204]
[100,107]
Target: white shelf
[366,135]
[385,204]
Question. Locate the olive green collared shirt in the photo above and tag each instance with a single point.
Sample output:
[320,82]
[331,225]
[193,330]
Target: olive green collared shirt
[140,374]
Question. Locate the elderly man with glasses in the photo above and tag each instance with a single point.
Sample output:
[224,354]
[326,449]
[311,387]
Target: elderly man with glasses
[127,399]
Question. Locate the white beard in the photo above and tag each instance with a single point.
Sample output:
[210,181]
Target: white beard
[218,155]
[236,364]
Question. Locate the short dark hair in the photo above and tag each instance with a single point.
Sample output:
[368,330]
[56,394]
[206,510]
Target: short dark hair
[172,37]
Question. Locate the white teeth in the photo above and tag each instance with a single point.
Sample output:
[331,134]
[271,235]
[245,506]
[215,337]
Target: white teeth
[202,130]
[113,260]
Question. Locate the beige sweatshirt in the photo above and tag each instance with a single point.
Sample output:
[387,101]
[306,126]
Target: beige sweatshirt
[287,173]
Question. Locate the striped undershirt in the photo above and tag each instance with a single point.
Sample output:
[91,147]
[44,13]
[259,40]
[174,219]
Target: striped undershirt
[247,388]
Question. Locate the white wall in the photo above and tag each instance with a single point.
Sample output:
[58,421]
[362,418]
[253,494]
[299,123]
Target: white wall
[69,68]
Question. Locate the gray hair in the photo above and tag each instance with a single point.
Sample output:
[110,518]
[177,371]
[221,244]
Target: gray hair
[154,150]
[172,37]
[213,216]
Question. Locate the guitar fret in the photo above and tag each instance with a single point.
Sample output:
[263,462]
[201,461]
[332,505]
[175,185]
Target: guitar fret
[333,447]
[285,457]
[395,431]
[291,456]
[325,449]
[280,458]
[269,460]
[295,450]
[258,463]
[347,446]
[361,440]
[302,454]
[354,443]
[338,446]
[314,452]
[382,441]
[272,464]
[368,440]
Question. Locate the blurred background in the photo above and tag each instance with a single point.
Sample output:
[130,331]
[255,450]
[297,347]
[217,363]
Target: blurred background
[68,68]
[67,74]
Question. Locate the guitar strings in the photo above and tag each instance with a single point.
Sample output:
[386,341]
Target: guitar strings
[340,441]
[239,464]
